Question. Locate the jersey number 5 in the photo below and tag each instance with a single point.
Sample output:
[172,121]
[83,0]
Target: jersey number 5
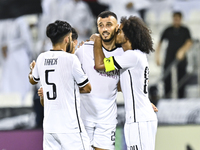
[53,85]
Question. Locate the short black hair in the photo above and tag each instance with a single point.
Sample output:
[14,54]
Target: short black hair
[74,34]
[177,13]
[106,14]
[137,33]
[57,30]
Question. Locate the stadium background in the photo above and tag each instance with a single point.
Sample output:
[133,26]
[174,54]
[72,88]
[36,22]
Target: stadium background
[179,120]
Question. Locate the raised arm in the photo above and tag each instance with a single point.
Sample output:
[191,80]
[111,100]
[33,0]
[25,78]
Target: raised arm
[98,54]
[30,76]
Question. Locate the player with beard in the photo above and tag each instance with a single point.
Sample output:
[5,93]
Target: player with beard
[73,43]
[99,108]
[70,48]
[141,121]
[60,73]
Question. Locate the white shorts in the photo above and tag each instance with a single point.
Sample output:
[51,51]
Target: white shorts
[101,135]
[66,141]
[140,135]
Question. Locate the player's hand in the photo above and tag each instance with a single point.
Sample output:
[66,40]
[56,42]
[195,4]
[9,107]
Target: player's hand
[154,107]
[5,51]
[158,60]
[80,44]
[40,92]
[180,55]
[32,65]
[94,36]
[42,101]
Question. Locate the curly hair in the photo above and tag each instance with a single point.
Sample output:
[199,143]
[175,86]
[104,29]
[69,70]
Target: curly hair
[137,33]
[57,30]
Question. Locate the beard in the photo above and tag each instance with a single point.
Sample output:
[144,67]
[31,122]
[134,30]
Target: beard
[69,47]
[110,39]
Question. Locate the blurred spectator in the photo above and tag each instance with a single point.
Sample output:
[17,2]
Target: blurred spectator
[76,12]
[122,8]
[179,42]
[17,51]
[79,15]
[141,6]
[96,7]
[49,14]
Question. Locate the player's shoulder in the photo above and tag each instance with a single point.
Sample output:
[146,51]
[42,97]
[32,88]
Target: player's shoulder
[41,55]
[168,28]
[60,54]
[89,43]
[118,50]
[68,58]
[135,52]
[68,55]
[119,47]
[184,27]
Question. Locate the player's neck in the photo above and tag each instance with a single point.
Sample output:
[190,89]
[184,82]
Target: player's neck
[109,45]
[59,47]
[176,25]
[126,46]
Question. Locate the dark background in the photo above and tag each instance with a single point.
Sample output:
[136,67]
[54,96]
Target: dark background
[16,8]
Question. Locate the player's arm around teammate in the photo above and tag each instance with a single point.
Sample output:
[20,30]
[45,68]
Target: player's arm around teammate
[133,67]
[99,59]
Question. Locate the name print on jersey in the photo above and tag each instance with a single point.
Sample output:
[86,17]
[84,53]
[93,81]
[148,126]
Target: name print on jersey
[51,61]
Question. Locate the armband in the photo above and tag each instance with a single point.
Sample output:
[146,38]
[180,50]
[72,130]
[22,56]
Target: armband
[109,64]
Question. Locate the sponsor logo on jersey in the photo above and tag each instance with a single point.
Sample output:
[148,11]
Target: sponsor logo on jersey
[112,74]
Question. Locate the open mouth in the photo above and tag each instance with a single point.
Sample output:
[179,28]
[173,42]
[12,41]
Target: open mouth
[106,34]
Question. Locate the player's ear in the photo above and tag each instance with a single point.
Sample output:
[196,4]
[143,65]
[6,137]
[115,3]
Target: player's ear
[117,27]
[66,39]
